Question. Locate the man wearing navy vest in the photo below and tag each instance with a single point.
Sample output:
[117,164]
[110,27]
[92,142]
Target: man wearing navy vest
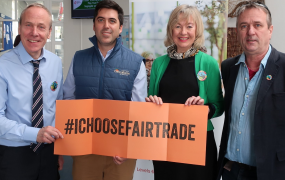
[108,70]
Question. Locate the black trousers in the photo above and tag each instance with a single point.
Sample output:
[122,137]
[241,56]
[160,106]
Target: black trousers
[240,172]
[164,170]
[21,163]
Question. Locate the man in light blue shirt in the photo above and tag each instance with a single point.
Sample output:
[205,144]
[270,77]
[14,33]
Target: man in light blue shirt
[18,160]
[108,70]
[240,144]
[252,145]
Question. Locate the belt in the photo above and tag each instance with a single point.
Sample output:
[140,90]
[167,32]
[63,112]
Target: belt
[229,164]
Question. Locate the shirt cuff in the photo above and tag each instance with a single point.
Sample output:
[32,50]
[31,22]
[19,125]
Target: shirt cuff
[31,134]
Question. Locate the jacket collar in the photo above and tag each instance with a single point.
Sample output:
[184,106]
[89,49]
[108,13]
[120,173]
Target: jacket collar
[93,40]
[263,61]
[271,69]
[232,80]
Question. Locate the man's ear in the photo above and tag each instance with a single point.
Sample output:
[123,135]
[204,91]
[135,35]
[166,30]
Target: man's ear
[121,29]
[270,30]
[49,33]
[19,27]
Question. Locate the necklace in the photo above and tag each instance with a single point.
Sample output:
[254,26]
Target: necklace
[191,54]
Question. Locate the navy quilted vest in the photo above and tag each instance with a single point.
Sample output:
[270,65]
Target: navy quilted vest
[113,79]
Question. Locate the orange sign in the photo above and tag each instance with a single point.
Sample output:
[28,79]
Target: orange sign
[137,130]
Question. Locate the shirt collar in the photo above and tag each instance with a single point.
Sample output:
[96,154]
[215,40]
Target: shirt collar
[107,55]
[263,61]
[24,55]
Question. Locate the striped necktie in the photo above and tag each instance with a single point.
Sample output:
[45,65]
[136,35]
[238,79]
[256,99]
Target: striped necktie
[37,108]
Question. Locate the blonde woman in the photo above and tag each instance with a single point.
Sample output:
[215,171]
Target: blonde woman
[186,75]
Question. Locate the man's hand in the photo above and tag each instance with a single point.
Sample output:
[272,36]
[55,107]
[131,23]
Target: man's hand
[60,162]
[118,160]
[48,134]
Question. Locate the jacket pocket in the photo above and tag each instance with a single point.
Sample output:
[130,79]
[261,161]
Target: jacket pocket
[281,154]
[279,100]
[279,107]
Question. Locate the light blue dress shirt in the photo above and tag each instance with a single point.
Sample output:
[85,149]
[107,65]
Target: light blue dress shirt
[16,94]
[240,143]
[139,91]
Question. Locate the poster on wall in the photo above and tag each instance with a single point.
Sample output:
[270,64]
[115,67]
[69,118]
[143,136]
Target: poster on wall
[6,34]
[148,21]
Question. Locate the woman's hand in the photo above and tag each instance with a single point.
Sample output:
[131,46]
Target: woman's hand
[194,101]
[154,99]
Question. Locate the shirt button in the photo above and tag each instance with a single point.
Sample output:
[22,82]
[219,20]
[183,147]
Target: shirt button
[239,132]
[242,113]
[245,78]
[237,149]
[247,96]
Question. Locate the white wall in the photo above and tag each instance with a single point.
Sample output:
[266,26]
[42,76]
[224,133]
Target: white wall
[276,8]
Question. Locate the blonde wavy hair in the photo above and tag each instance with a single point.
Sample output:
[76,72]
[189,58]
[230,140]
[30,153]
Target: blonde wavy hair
[186,11]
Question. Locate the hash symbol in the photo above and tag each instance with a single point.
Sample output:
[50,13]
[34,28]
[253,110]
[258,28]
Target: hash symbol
[69,126]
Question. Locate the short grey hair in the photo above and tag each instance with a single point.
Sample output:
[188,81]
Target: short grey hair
[257,5]
[39,6]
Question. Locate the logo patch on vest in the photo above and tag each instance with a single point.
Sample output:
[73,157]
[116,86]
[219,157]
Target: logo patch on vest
[122,72]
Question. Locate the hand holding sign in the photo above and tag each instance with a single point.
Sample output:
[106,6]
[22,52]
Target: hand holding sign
[119,160]
[48,134]
[194,100]
[154,99]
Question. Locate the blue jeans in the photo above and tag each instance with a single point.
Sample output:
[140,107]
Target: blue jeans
[239,173]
